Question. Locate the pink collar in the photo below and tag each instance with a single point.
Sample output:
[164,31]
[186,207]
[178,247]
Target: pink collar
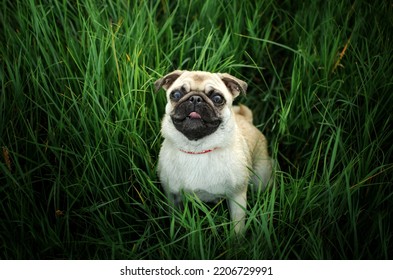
[199,153]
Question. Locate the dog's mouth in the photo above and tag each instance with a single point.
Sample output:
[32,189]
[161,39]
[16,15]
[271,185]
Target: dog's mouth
[194,116]
[195,124]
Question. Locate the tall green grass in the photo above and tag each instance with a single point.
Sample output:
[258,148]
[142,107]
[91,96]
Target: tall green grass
[80,127]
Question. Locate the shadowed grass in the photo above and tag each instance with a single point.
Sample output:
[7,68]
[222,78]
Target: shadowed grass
[80,122]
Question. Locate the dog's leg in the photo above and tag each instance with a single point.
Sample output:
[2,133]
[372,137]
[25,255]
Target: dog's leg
[175,201]
[262,173]
[237,209]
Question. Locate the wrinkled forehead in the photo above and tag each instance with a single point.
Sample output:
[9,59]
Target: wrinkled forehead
[199,81]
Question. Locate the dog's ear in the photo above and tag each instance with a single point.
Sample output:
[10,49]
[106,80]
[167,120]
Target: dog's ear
[166,81]
[234,85]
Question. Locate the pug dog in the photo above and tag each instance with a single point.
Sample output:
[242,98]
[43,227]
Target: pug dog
[210,148]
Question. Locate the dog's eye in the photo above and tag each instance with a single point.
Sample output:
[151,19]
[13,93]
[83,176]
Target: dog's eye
[217,99]
[176,95]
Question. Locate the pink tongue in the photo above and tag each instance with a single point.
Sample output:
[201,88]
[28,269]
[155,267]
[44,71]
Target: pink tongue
[194,115]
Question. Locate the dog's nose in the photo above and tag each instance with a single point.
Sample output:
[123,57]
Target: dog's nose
[195,99]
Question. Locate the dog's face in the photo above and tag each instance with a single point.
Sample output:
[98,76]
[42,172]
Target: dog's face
[199,102]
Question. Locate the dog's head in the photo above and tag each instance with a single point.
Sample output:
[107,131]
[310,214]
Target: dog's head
[199,102]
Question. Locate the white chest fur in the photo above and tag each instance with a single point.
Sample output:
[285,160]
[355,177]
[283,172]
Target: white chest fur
[211,175]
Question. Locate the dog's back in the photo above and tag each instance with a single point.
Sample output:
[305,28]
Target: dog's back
[243,111]
[257,143]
